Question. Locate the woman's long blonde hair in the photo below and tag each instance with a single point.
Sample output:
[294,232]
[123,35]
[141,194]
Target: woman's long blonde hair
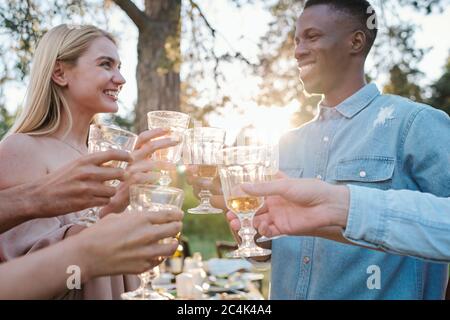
[44,103]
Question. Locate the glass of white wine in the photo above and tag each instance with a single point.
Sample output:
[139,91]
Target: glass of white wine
[202,145]
[104,138]
[272,163]
[241,165]
[177,123]
[152,198]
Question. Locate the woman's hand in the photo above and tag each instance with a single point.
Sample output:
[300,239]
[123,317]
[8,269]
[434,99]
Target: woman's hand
[128,243]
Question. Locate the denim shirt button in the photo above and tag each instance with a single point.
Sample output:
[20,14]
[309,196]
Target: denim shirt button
[362,174]
[306,260]
[325,139]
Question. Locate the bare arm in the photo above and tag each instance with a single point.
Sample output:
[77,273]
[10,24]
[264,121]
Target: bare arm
[74,187]
[49,279]
[118,244]
[16,207]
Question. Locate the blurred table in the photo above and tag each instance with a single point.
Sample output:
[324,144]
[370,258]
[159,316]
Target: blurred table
[223,279]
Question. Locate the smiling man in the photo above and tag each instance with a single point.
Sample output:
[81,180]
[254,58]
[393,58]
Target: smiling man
[359,137]
[363,138]
[333,39]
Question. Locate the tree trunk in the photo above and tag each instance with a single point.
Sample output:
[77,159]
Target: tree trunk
[158,68]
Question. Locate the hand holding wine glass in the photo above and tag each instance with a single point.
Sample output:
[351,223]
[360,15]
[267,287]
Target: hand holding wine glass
[152,198]
[142,169]
[176,123]
[238,166]
[202,145]
[104,138]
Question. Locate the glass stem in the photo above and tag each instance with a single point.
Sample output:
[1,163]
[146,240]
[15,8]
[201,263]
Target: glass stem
[91,217]
[165,179]
[205,196]
[247,232]
[147,279]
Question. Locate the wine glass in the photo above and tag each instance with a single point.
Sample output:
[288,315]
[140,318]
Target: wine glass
[202,145]
[104,138]
[239,165]
[177,122]
[250,136]
[272,162]
[152,198]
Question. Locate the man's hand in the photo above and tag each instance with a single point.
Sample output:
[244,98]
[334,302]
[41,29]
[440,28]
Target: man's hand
[76,186]
[298,206]
[199,184]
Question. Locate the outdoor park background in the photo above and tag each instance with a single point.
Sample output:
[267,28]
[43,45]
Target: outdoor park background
[228,63]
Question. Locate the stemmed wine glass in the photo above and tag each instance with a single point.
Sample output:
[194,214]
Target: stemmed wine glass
[177,122]
[152,198]
[202,145]
[272,163]
[239,165]
[253,137]
[104,138]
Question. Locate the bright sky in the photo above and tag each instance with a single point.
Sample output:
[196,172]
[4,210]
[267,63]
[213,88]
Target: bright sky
[242,28]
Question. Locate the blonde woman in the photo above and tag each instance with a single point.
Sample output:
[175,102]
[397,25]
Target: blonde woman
[75,75]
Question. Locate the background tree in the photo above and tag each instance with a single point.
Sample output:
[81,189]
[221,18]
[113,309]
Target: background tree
[6,119]
[399,83]
[159,57]
[440,97]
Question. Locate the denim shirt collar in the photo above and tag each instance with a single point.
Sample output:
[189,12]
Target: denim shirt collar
[357,102]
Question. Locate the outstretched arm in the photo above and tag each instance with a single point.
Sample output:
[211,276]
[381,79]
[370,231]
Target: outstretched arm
[418,223]
[74,187]
[117,244]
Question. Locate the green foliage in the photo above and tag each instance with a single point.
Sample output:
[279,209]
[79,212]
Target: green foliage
[400,84]
[26,21]
[127,122]
[441,91]
[6,120]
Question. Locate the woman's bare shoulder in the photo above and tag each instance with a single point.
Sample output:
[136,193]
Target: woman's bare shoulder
[20,160]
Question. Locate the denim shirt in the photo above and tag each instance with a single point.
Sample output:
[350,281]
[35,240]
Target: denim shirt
[400,221]
[372,140]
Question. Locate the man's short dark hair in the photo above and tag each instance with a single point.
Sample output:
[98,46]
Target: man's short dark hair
[361,10]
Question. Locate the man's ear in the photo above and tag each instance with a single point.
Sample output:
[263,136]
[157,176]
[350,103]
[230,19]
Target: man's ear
[358,42]
[59,74]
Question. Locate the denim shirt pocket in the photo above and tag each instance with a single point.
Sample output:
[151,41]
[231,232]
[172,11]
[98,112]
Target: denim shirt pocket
[370,171]
[293,172]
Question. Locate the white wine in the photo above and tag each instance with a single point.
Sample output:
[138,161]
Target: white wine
[244,204]
[207,171]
